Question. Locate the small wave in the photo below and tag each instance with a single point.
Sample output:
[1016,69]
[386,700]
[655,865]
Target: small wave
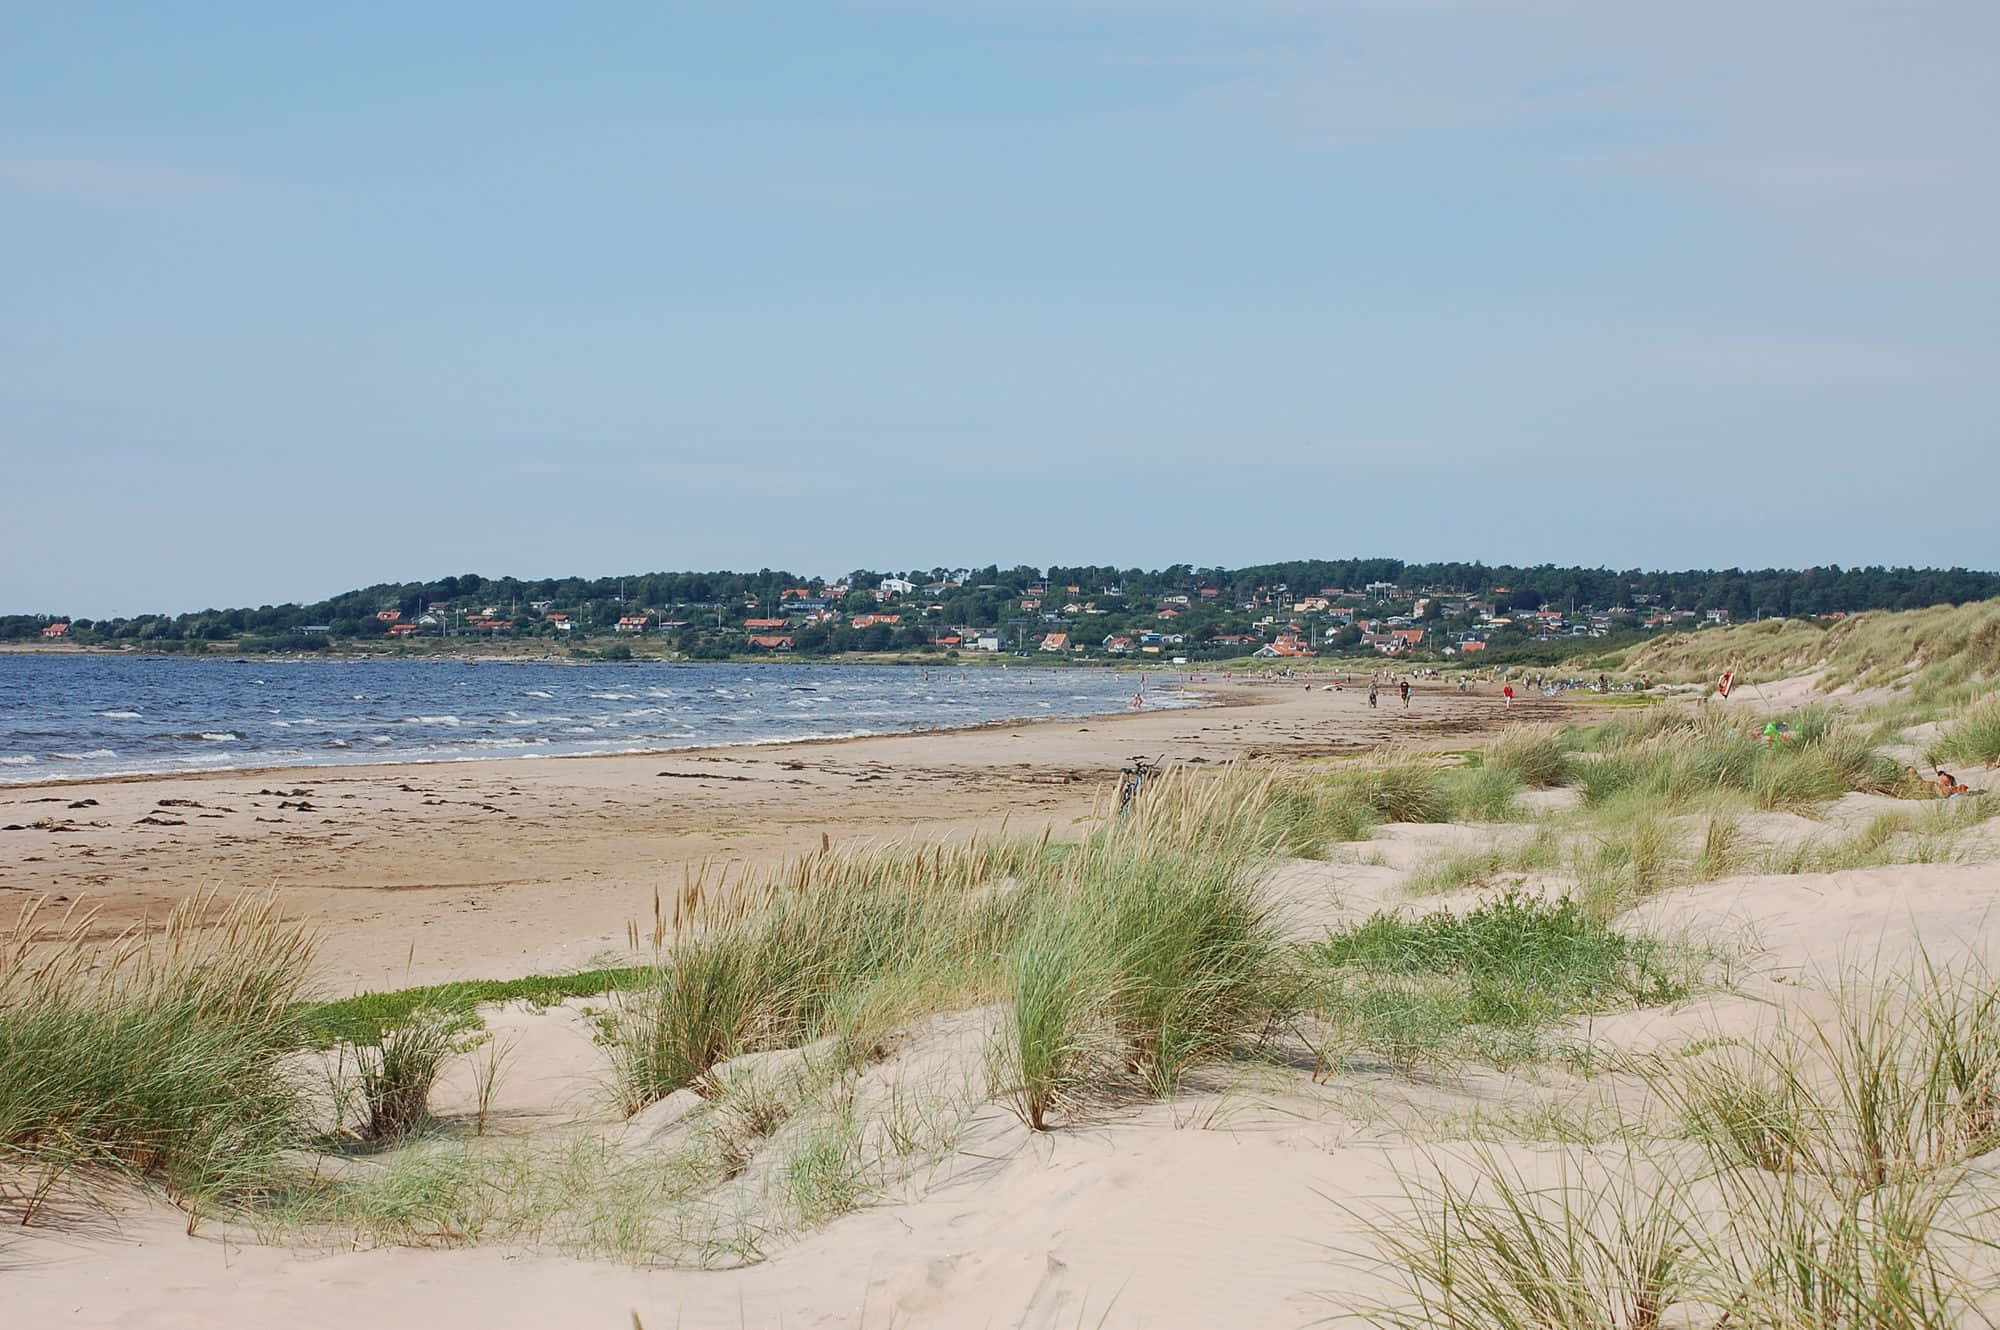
[612,697]
[380,739]
[580,729]
[430,720]
[95,754]
[17,760]
[336,743]
[536,692]
[119,715]
[219,736]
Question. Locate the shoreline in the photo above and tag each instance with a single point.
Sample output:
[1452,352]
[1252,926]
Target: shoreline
[428,872]
[269,768]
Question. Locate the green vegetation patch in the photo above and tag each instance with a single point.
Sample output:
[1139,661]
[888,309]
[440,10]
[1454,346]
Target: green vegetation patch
[1524,959]
[1444,987]
[364,1018]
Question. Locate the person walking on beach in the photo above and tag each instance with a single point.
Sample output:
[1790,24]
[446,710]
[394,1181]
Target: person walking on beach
[1405,689]
[1508,693]
[1374,689]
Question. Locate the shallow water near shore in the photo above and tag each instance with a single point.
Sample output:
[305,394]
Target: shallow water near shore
[80,717]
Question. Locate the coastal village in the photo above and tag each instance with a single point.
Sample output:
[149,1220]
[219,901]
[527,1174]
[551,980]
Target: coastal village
[1180,614]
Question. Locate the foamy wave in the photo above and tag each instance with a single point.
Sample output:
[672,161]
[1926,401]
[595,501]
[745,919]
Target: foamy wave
[93,755]
[430,720]
[536,692]
[119,715]
[17,760]
[219,736]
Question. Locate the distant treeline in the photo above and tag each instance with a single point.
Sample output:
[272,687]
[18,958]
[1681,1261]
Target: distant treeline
[991,596]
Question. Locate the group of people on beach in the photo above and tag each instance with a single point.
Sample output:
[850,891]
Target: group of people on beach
[1375,692]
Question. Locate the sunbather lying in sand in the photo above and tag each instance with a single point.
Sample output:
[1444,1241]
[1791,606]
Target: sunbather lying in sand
[1948,784]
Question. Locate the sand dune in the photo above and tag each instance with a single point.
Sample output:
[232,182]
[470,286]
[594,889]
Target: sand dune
[1237,1205]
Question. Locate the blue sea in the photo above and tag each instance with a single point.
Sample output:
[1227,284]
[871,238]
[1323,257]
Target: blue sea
[75,717]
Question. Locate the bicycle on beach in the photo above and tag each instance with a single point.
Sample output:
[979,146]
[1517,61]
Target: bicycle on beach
[1132,781]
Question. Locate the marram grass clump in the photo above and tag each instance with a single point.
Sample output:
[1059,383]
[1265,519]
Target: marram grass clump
[162,1056]
[1148,938]
[1973,737]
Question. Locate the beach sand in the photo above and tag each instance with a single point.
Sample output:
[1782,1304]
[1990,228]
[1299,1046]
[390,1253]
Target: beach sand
[1245,1200]
[420,873]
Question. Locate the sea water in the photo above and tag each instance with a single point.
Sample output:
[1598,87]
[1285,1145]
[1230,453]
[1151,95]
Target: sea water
[80,716]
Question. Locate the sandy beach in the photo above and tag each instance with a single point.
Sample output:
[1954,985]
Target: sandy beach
[1254,1195]
[425,872]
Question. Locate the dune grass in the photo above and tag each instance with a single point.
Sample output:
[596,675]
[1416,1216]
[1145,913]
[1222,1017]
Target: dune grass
[1154,945]
[1640,1242]
[1675,766]
[1904,1079]
[1927,649]
[1506,1251]
[1148,935]
[1407,791]
[1832,1189]
[163,1057]
[779,960]
[1535,755]
[778,1148]
[1458,869]
[398,1072]
[1972,737]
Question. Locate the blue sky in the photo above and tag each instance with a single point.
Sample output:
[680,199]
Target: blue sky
[296,298]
